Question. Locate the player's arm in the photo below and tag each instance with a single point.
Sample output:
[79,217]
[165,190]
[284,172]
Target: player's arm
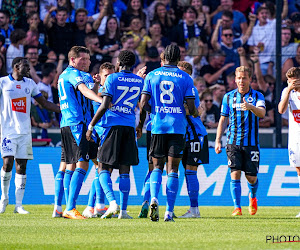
[145,102]
[190,102]
[139,128]
[220,131]
[90,94]
[258,111]
[47,105]
[283,104]
[100,112]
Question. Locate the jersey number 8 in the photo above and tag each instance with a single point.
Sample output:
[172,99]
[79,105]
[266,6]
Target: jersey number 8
[166,92]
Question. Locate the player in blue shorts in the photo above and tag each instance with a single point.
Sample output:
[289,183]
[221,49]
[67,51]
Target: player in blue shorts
[242,107]
[118,146]
[167,88]
[72,97]
[195,151]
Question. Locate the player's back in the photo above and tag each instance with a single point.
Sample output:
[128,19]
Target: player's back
[168,87]
[70,98]
[125,89]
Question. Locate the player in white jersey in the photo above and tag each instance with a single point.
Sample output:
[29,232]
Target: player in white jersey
[16,91]
[290,99]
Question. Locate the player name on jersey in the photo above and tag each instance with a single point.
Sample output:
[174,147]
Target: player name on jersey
[171,110]
[121,109]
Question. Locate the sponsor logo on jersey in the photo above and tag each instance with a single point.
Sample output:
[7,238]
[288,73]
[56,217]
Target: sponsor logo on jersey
[237,106]
[166,73]
[296,114]
[19,104]
[128,79]
[18,86]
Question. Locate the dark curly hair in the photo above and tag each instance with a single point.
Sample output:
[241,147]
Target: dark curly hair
[172,53]
[126,58]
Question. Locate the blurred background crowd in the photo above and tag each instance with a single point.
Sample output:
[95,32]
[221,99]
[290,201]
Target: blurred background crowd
[214,36]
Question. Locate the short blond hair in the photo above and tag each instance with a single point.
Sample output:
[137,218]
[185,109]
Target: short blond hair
[244,69]
[188,68]
[293,72]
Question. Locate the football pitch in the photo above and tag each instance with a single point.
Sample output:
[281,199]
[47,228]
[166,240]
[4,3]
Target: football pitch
[217,229]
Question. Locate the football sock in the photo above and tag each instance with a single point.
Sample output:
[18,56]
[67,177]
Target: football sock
[92,193]
[235,189]
[253,189]
[172,189]
[75,186]
[67,180]
[147,186]
[20,183]
[192,186]
[100,196]
[106,184]
[59,188]
[5,182]
[155,182]
[124,187]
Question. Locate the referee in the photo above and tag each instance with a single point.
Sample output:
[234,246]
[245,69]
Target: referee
[242,107]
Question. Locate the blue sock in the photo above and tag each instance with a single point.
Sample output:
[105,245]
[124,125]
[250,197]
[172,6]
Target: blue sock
[75,186]
[172,189]
[100,196]
[147,187]
[235,189]
[105,181]
[253,189]
[67,180]
[124,187]
[155,182]
[92,193]
[192,186]
[59,188]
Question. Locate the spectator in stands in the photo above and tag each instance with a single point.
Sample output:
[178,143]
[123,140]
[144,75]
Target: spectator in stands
[30,6]
[32,54]
[16,48]
[111,40]
[239,20]
[200,84]
[288,50]
[134,9]
[212,7]
[291,62]
[48,73]
[46,6]
[203,19]
[5,27]
[218,91]
[263,36]
[187,29]
[214,72]
[118,7]
[2,46]
[81,27]
[152,60]
[96,55]
[157,38]
[100,19]
[272,8]
[35,24]
[231,84]
[2,67]
[229,45]
[162,17]
[60,33]
[140,37]
[295,28]
[71,11]
[211,113]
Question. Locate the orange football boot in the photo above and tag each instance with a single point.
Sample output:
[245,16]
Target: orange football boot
[252,205]
[73,214]
[237,211]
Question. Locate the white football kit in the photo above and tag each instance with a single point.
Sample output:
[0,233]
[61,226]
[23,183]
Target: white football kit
[294,127]
[15,103]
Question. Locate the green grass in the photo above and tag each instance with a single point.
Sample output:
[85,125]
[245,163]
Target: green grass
[217,229]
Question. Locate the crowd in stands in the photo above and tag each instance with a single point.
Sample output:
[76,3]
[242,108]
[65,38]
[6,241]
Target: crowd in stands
[214,36]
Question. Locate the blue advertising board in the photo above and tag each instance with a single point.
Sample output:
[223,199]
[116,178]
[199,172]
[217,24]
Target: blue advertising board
[278,182]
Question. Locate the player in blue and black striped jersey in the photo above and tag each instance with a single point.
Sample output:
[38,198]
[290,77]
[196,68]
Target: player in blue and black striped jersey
[73,92]
[118,146]
[242,107]
[166,89]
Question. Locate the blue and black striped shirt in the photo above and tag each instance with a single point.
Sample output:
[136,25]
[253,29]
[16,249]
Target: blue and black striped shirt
[243,125]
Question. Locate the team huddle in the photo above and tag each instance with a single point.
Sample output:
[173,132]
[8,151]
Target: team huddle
[99,123]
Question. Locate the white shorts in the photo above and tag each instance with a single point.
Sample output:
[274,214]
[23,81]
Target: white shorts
[19,147]
[294,155]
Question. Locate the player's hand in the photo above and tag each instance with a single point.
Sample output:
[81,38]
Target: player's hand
[218,147]
[88,135]
[97,78]
[139,132]
[245,105]
[293,84]
[142,72]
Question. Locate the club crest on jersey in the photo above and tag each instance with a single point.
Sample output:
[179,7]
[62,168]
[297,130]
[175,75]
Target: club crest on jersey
[19,104]
[229,162]
[250,99]
[27,91]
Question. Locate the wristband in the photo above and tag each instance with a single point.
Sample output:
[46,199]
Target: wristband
[90,127]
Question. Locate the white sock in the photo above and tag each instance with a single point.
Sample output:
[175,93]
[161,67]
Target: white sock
[89,207]
[58,208]
[20,182]
[114,202]
[194,210]
[155,199]
[100,205]
[168,213]
[299,179]
[5,181]
[123,212]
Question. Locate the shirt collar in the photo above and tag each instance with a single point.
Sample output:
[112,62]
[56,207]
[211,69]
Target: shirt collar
[12,79]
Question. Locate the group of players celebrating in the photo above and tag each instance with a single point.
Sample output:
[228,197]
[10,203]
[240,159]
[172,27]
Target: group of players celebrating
[99,123]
